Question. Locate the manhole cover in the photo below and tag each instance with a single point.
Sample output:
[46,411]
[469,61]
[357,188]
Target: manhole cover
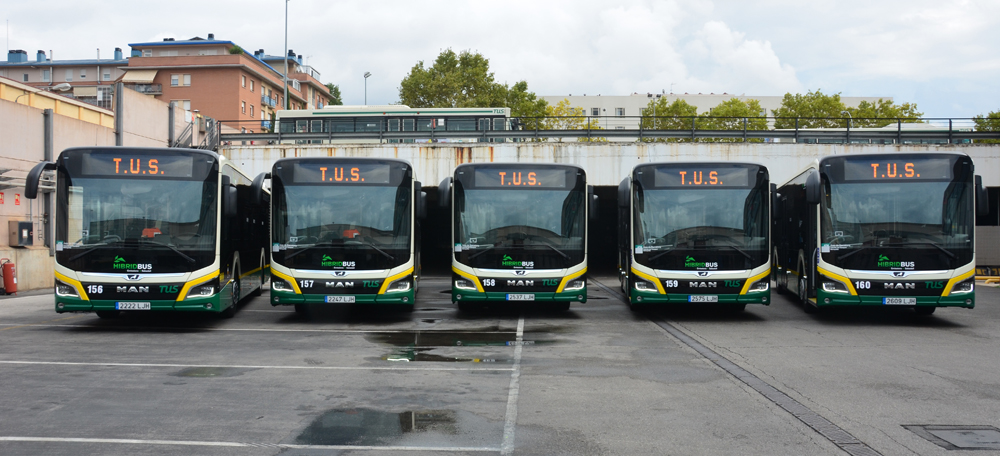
[952,437]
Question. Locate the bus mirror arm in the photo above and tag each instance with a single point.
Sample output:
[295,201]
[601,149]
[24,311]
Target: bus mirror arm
[228,197]
[257,188]
[813,188]
[35,175]
[444,192]
[982,198]
[774,201]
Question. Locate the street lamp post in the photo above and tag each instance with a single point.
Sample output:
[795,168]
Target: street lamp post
[849,122]
[285,76]
[367,75]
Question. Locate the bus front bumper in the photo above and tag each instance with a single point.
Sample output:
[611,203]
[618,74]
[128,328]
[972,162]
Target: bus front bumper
[652,297]
[288,298]
[824,299]
[460,295]
[206,304]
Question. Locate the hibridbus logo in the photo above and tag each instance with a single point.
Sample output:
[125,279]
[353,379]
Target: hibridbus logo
[885,262]
[328,262]
[120,263]
[508,261]
[690,262]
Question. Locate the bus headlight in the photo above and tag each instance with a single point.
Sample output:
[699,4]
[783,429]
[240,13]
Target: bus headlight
[281,285]
[575,285]
[832,286]
[644,285]
[400,285]
[761,285]
[465,284]
[967,286]
[203,290]
[66,290]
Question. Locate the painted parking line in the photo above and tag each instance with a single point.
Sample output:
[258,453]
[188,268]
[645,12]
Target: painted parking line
[244,444]
[44,323]
[510,421]
[276,330]
[253,366]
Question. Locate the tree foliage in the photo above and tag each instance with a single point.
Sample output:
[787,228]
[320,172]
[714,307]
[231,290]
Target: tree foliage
[989,122]
[733,114]
[882,113]
[464,80]
[813,110]
[563,116]
[658,115]
[334,98]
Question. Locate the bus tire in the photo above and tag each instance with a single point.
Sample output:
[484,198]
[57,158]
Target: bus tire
[260,288]
[108,314]
[924,310]
[235,300]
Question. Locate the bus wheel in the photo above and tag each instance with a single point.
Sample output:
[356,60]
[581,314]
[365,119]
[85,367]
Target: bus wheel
[231,311]
[924,310]
[804,295]
[107,314]
[260,287]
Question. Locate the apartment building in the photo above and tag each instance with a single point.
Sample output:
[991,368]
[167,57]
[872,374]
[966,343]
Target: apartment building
[88,80]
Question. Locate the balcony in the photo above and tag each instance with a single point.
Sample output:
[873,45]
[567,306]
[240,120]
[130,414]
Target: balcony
[148,89]
[265,101]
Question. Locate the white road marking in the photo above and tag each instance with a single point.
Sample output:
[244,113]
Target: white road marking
[189,328]
[507,446]
[237,366]
[243,444]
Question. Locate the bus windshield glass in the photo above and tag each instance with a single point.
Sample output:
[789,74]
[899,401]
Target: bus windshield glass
[135,225]
[342,226]
[701,217]
[910,213]
[517,219]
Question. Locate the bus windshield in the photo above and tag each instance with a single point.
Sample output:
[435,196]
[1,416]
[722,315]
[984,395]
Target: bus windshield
[125,225]
[334,227]
[919,225]
[518,228]
[701,228]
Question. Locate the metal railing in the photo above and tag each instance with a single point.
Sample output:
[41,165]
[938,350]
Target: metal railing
[669,129]
[149,89]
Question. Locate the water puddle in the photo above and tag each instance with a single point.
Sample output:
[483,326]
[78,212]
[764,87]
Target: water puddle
[205,372]
[374,427]
[420,355]
[452,339]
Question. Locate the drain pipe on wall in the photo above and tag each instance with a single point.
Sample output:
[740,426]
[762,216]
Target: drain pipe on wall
[119,115]
[47,197]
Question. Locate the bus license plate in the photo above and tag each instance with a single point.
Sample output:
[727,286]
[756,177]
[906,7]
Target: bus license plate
[899,301]
[520,297]
[703,299]
[340,299]
[133,306]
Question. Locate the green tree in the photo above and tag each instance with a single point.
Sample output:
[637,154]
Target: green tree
[658,115]
[990,122]
[813,110]
[731,115]
[564,116]
[334,98]
[464,80]
[882,113]
[235,50]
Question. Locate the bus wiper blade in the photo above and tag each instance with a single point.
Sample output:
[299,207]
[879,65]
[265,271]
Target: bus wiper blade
[902,244]
[174,249]
[369,244]
[662,253]
[308,247]
[93,248]
[487,249]
[740,250]
[554,248]
[852,252]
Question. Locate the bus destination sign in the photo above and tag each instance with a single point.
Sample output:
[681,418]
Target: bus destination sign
[520,177]
[702,176]
[138,165]
[340,173]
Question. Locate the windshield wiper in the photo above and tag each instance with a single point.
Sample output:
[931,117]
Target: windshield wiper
[174,249]
[560,252]
[738,250]
[331,244]
[93,248]
[901,244]
[852,252]
[487,249]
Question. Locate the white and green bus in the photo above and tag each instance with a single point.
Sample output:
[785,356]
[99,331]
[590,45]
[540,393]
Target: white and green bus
[519,232]
[344,231]
[146,229]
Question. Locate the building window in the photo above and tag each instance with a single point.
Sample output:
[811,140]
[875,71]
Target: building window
[69,75]
[244,79]
[187,79]
[83,74]
[46,75]
[251,85]
[168,53]
[251,110]
[25,77]
[595,111]
[106,76]
[174,80]
[620,112]
[207,52]
[182,80]
[243,107]
[147,52]
[186,104]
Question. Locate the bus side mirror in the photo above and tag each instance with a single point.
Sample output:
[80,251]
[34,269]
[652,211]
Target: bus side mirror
[257,188]
[35,175]
[982,198]
[228,197]
[444,192]
[774,200]
[623,192]
[421,200]
[592,199]
[813,188]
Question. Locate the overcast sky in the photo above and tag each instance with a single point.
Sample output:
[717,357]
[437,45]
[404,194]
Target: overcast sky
[942,55]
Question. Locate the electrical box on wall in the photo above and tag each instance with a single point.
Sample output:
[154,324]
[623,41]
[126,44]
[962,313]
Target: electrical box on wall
[21,233]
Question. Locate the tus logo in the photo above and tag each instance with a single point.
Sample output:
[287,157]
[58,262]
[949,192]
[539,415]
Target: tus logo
[690,262]
[508,261]
[120,263]
[885,262]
